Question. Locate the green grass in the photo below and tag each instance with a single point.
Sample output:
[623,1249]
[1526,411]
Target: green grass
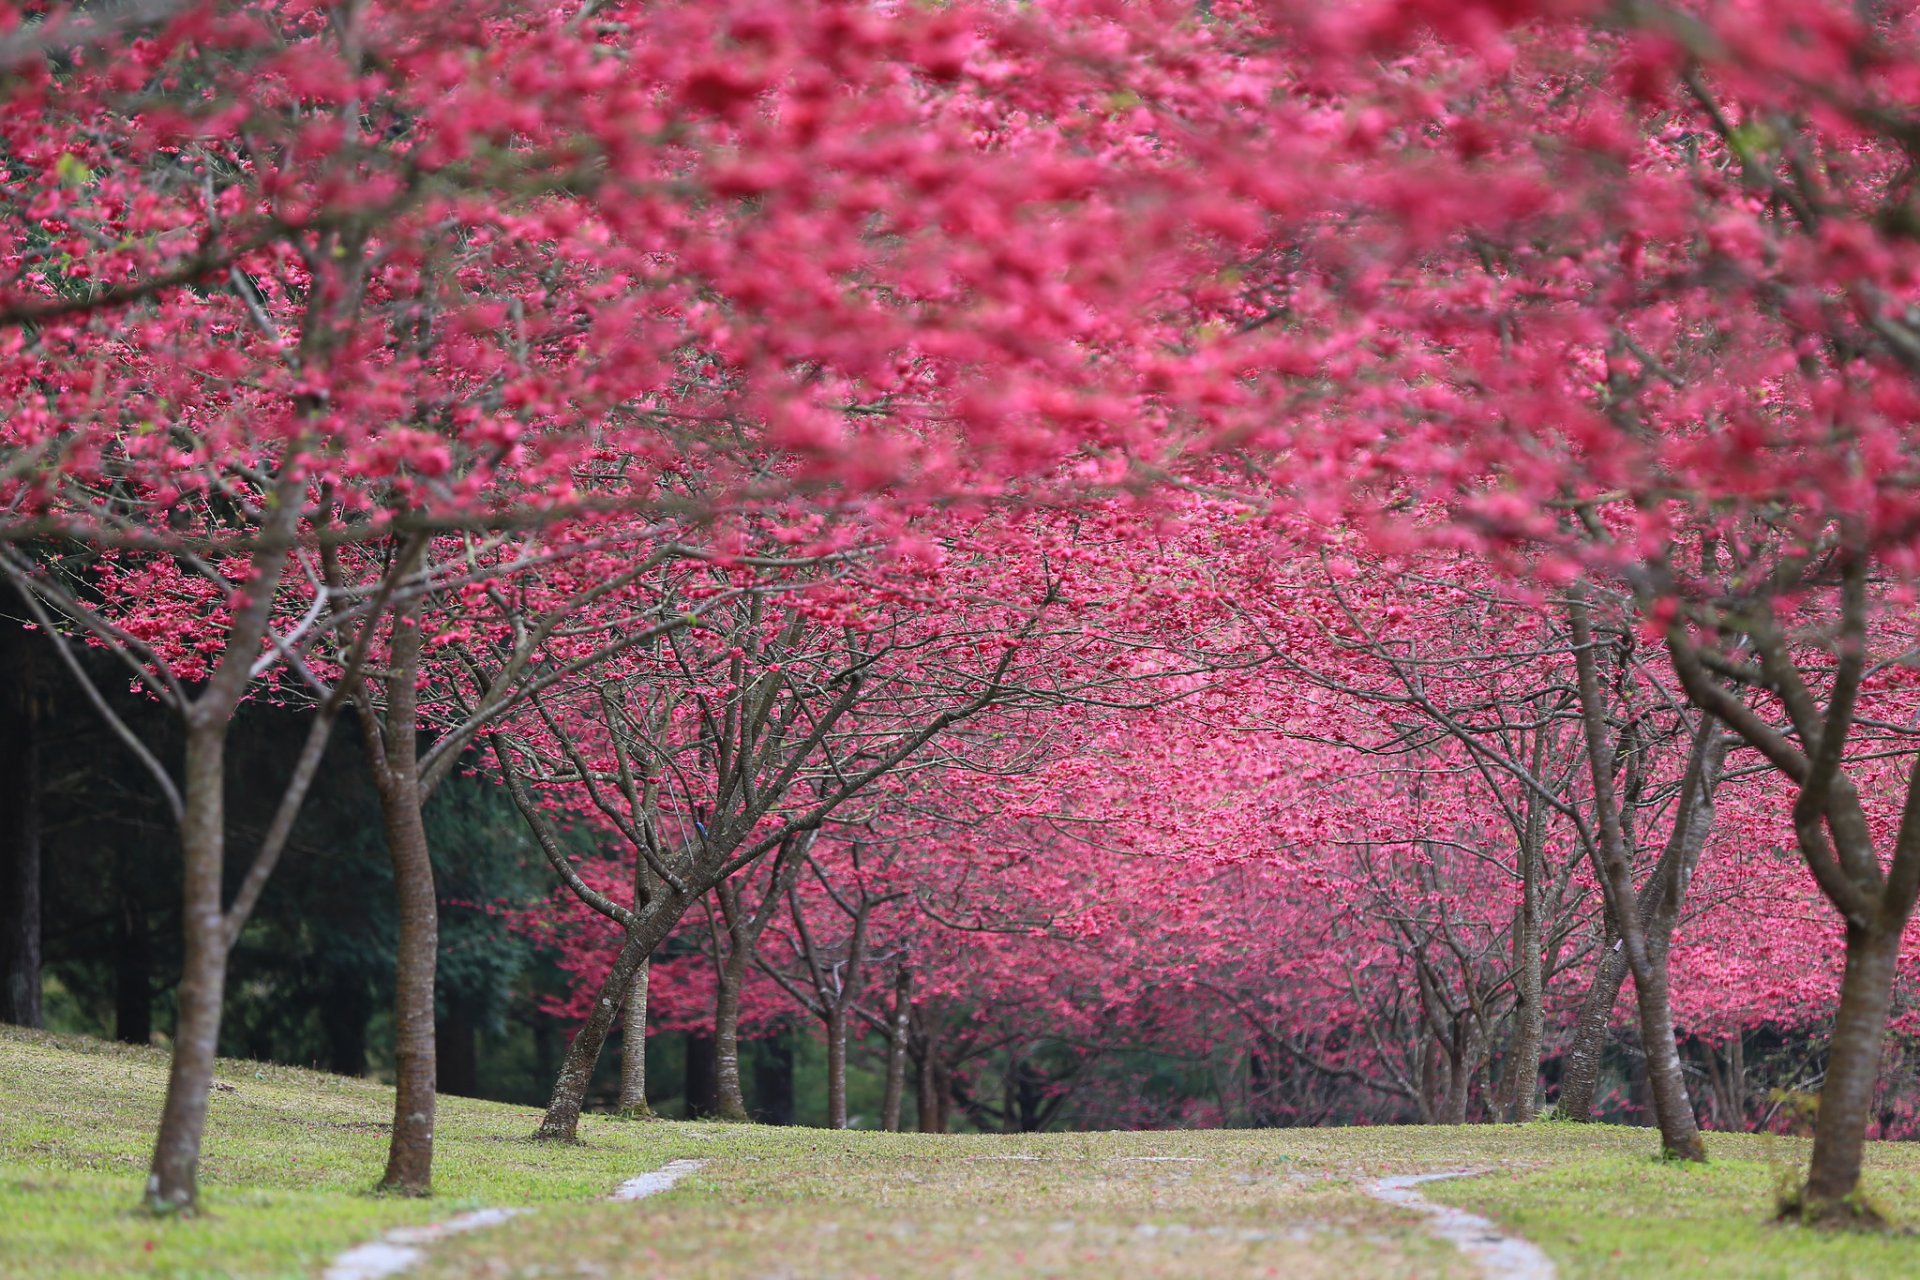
[1600,1212]
[289,1159]
[291,1154]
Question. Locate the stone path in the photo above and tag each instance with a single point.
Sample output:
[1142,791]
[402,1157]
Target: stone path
[400,1249]
[1501,1257]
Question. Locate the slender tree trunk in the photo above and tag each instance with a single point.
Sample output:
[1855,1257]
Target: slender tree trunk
[1853,1067]
[410,1154]
[1679,1131]
[933,1118]
[633,1048]
[1582,1071]
[1658,905]
[1673,1109]
[1459,1073]
[562,1120]
[836,1069]
[172,1179]
[897,1050]
[20,858]
[1737,1082]
[396,756]
[1529,1015]
[729,1102]
[1427,1046]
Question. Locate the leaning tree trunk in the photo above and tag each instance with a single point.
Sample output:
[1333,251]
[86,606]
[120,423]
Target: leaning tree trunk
[562,1120]
[172,1179]
[1582,1071]
[1658,905]
[1673,1109]
[1853,1067]
[1679,1131]
[633,1048]
[897,1050]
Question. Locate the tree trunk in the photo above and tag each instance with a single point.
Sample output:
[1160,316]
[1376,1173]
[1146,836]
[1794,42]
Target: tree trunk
[172,1179]
[20,859]
[562,1120]
[1737,1082]
[1679,1131]
[934,1085]
[1459,1073]
[1673,1109]
[633,1048]
[410,1153]
[897,1050]
[1582,1071]
[1658,906]
[836,1069]
[1522,1068]
[729,1103]
[394,751]
[1853,1067]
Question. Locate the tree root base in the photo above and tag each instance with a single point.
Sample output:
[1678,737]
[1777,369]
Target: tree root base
[404,1191]
[1851,1212]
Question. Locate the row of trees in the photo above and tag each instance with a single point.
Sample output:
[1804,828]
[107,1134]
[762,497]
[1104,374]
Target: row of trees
[737,425]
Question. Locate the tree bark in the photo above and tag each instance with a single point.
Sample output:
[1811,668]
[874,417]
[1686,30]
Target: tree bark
[729,1103]
[934,1084]
[633,1047]
[897,1050]
[1522,1068]
[1679,1131]
[172,1178]
[562,1120]
[836,1069]
[1853,1067]
[1582,1072]
[410,1153]
[393,748]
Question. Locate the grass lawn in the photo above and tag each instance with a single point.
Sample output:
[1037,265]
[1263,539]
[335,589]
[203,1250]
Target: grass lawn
[290,1155]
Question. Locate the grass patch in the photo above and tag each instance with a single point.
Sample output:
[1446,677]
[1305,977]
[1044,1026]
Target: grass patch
[291,1156]
[286,1172]
[1623,1212]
